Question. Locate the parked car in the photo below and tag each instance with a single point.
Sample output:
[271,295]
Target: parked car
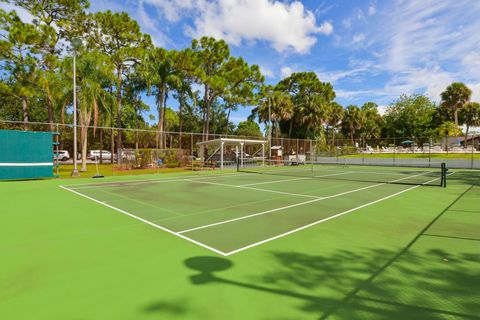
[61,155]
[95,155]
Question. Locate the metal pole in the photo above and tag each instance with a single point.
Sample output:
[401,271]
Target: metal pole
[269,134]
[263,154]
[241,154]
[473,152]
[75,168]
[221,155]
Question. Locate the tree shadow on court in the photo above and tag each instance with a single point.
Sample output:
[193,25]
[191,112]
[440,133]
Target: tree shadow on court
[168,308]
[343,285]
[432,282]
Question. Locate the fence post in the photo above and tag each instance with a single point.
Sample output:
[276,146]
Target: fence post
[430,153]
[191,149]
[473,152]
[394,149]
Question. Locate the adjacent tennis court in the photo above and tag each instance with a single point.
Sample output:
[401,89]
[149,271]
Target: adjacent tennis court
[229,213]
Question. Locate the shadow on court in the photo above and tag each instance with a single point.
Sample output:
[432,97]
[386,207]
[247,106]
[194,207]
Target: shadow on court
[430,278]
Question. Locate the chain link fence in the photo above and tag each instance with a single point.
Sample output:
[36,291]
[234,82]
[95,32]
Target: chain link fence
[150,151]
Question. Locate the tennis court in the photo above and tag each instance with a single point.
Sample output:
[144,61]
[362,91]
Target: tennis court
[269,241]
[229,213]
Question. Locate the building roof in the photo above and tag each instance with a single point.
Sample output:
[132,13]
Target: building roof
[230,141]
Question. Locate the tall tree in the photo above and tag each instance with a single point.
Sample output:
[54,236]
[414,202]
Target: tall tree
[455,97]
[158,72]
[372,121]
[337,112]
[410,116]
[274,106]
[352,121]
[311,98]
[243,84]
[52,20]
[212,55]
[471,116]
[248,128]
[118,36]
[18,60]
[94,74]
[185,64]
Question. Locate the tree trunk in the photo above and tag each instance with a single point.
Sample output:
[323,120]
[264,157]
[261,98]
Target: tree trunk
[25,113]
[165,119]
[101,145]
[333,136]
[112,133]
[290,130]
[84,148]
[180,118]
[228,120]
[206,120]
[351,137]
[455,114]
[466,136]
[119,113]
[159,135]
[51,114]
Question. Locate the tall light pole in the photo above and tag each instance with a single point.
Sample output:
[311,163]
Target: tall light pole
[76,43]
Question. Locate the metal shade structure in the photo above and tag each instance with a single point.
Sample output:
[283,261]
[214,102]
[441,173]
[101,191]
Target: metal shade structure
[220,143]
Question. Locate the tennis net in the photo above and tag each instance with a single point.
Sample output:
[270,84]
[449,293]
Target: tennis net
[430,174]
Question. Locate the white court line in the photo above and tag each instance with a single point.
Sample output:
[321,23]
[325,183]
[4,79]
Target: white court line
[251,188]
[291,206]
[240,249]
[25,164]
[147,222]
[268,190]
[275,181]
[326,219]
[303,178]
[139,182]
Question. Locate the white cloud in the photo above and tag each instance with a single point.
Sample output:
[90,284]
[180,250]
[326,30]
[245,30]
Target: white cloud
[475,87]
[267,72]
[358,37]
[286,71]
[286,26]
[358,69]
[430,81]
[424,45]
[347,23]
[326,28]
[372,10]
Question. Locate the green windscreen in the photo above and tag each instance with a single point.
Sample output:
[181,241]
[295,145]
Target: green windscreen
[25,155]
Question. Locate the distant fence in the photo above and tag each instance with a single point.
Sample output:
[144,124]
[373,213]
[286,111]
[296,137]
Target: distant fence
[142,148]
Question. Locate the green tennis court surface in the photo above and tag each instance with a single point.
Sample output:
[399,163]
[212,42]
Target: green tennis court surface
[301,242]
[233,212]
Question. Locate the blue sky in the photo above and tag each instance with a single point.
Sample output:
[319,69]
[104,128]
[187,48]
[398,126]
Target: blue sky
[369,50]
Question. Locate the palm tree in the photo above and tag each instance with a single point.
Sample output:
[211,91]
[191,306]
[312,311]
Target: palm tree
[337,112]
[181,81]
[275,106]
[313,112]
[455,97]
[158,72]
[352,121]
[448,129]
[94,73]
[471,116]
